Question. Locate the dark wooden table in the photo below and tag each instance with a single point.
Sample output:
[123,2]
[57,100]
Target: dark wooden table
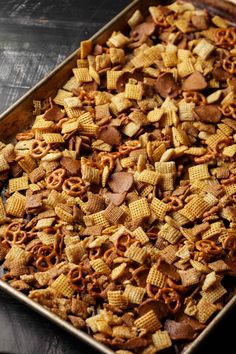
[35,36]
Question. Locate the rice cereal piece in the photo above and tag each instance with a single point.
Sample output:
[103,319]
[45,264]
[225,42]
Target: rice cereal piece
[82,75]
[85,48]
[120,102]
[46,238]
[53,138]
[135,19]
[199,266]
[55,198]
[117,40]
[114,214]
[198,172]
[112,77]
[3,164]
[203,49]
[159,208]
[117,298]
[134,294]
[186,111]
[214,293]
[195,208]
[155,115]
[161,340]
[185,68]
[165,167]
[189,277]
[169,59]
[155,277]
[170,233]
[140,235]
[139,209]
[219,266]
[18,184]
[62,286]
[134,91]
[148,321]
[16,252]
[71,84]
[136,253]
[131,129]
[90,174]
[70,126]
[59,99]
[44,223]
[15,205]
[205,310]
[100,266]
[86,119]
[27,163]
[118,271]
[157,153]
[42,124]
[150,177]
[215,229]
[65,213]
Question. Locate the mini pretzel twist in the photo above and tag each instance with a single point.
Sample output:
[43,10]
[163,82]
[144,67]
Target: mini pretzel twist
[46,258]
[174,203]
[152,290]
[229,64]
[55,179]
[74,186]
[122,243]
[208,247]
[225,37]
[95,252]
[194,97]
[230,244]
[229,109]
[76,278]
[170,297]
[95,289]
[125,149]
[209,156]
[14,234]
[39,149]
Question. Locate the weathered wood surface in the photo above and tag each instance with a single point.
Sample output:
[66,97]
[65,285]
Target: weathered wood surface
[35,36]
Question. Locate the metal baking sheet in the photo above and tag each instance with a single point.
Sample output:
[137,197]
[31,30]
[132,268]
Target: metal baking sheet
[19,117]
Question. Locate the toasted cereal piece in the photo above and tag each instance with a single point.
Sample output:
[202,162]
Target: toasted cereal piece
[44,223]
[3,164]
[219,266]
[150,177]
[71,84]
[210,280]
[131,129]
[117,298]
[59,99]
[189,277]
[118,271]
[27,163]
[155,277]
[199,266]
[72,112]
[112,77]
[148,321]
[219,22]
[205,310]
[15,205]
[140,235]
[100,266]
[62,285]
[94,74]
[82,74]
[230,150]
[161,340]
[18,184]
[41,123]
[170,233]
[55,198]
[64,212]
[85,48]
[203,49]
[46,238]
[214,139]
[73,102]
[215,229]
[117,40]
[134,294]
[90,174]
[53,138]
[16,253]
[214,293]
[136,253]
[198,172]
[155,115]
[120,102]
[74,252]
[169,59]
[195,208]
[139,209]
[133,91]
[135,19]
[160,208]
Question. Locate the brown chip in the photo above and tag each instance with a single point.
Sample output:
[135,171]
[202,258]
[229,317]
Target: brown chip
[220,74]
[71,165]
[199,22]
[144,29]
[159,307]
[194,82]
[179,331]
[34,201]
[208,113]
[54,114]
[120,182]
[195,324]
[167,269]
[109,135]
[116,198]
[124,79]
[166,85]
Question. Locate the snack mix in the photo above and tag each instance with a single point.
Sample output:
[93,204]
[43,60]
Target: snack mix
[118,207]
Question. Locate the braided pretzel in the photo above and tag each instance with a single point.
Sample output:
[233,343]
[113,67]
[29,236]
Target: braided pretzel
[194,97]
[229,64]
[46,258]
[39,149]
[171,298]
[14,234]
[225,37]
[55,179]
[74,186]
[208,247]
